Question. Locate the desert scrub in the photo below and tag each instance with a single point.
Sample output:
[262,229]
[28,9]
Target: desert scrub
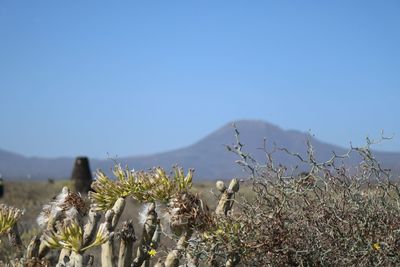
[34,195]
[313,214]
[70,228]
[151,186]
[8,218]
[325,215]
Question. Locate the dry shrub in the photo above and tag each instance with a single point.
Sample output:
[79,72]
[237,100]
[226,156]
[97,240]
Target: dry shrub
[329,215]
[314,214]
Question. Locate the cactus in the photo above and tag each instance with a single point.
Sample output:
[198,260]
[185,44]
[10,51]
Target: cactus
[72,226]
[226,200]
[149,228]
[127,236]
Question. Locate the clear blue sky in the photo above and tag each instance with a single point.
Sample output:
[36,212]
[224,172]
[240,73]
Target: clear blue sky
[138,77]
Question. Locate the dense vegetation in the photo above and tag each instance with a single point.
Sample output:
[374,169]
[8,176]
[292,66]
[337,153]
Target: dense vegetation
[313,214]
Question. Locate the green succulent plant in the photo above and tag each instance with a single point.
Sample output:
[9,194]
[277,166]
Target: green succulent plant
[70,236]
[155,185]
[8,217]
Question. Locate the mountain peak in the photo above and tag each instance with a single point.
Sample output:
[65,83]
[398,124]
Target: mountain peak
[208,156]
[248,123]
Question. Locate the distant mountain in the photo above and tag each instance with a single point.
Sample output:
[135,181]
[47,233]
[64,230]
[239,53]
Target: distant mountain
[13,165]
[208,157]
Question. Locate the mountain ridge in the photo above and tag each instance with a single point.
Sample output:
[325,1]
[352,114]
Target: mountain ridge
[208,156]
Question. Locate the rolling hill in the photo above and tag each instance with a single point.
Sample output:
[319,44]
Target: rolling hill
[208,156]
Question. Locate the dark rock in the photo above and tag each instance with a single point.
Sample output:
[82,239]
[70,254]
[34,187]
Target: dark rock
[81,175]
[1,187]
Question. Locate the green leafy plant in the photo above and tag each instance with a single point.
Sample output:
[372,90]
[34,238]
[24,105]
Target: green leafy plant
[8,217]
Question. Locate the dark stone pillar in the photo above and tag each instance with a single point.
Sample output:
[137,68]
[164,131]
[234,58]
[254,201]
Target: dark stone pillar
[1,187]
[81,175]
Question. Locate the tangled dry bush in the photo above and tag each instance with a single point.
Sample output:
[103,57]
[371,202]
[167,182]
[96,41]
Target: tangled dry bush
[329,215]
